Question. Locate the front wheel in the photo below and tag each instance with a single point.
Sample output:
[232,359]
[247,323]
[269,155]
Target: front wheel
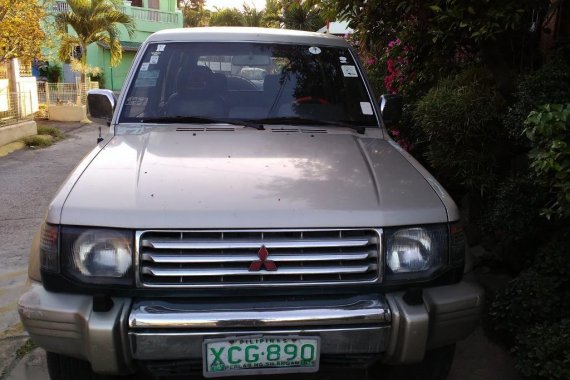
[435,366]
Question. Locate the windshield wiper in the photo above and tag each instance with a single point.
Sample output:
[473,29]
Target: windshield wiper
[295,120]
[184,119]
[202,120]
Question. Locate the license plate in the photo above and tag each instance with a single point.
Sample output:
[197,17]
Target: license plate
[258,355]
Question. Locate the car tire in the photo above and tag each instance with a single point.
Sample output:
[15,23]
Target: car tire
[62,367]
[435,366]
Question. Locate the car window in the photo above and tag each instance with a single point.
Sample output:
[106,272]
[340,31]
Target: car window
[249,81]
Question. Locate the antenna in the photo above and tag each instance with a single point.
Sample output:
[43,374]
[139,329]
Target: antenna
[99,139]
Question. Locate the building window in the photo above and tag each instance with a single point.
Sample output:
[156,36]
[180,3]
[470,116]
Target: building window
[136,3]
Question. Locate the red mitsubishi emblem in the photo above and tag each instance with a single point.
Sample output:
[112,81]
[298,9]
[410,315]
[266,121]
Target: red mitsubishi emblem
[262,263]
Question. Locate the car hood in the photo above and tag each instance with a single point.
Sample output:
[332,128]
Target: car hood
[173,178]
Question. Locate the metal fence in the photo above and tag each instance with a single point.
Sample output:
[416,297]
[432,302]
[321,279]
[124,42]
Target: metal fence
[64,93]
[15,107]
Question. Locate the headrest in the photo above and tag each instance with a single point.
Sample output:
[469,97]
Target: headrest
[220,82]
[195,77]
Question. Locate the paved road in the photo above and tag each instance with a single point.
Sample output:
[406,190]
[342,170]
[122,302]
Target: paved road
[28,180]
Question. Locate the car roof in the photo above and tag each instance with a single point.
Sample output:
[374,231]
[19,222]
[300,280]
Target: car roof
[246,34]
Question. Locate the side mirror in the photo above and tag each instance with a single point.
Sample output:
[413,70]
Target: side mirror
[391,108]
[100,106]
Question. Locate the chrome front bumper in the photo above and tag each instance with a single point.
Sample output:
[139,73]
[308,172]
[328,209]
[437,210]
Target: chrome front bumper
[167,330]
[386,326]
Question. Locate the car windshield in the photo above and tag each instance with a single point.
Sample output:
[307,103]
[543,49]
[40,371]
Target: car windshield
[250,82]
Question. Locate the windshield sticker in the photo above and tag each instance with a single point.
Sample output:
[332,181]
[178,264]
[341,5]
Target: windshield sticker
[147,78]
[366,108]
[145,82]
[343,59]
[349,71]
[137,101]
[153,74]
[160,47]
[314,50]
[144,66]
[154,60]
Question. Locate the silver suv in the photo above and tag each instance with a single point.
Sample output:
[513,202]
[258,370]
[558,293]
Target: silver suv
[226,228]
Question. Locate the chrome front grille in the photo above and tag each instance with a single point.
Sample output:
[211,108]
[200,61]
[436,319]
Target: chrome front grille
[222,258]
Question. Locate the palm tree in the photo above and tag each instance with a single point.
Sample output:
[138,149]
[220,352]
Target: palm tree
[251,16]
[194,13]
[272,14]
[92,21]
[303,15]
[226,17]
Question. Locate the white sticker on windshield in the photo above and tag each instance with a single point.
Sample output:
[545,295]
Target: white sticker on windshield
[144,66]
[349,71]
[154,60]
[315,50]
[366,108]
[160,47]
[343,59]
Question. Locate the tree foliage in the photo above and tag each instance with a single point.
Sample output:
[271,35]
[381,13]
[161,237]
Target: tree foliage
[302,15]
[194,13]
[20,32]
[92,21]
[548,129]
[442,36]
[227,17]
[272,13]
[459,118]
[298,14]
[252,16]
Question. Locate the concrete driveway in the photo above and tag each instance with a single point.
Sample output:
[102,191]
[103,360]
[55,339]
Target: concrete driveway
[29,179]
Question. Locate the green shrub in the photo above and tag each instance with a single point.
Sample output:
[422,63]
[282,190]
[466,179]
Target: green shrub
[51,72]
[38,141]
[549,84]
[100,77]
[539,294]
[543,351]
[51,131]
[548,130]
[459,119]
[513,210]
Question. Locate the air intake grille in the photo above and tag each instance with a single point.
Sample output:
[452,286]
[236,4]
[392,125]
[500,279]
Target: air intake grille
[222,258]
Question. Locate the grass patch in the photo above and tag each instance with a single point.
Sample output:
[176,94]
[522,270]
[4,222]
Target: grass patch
[50,131]
[38,141]
[46,136]
[25,349]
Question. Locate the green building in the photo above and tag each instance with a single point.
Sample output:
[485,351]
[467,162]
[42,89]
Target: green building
[149,15]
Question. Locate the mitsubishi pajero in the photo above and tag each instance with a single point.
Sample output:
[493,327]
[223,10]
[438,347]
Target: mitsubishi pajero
[225,227]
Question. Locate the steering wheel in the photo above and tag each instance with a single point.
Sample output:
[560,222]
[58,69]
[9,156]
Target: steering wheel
[311,99]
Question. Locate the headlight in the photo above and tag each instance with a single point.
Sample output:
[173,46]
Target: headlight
[101,256]
[415,252]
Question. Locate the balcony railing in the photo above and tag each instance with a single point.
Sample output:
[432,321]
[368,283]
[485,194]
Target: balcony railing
[141,14]
[59,6]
